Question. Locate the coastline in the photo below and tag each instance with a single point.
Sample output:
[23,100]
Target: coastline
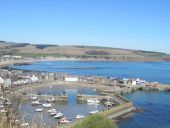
[71,85]
[28,61]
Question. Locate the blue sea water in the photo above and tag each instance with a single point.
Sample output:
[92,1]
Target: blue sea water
[156,113]
[156,105]
[151,71]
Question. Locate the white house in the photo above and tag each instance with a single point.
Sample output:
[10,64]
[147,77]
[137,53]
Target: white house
[34,78]
[134,82]
[71,79]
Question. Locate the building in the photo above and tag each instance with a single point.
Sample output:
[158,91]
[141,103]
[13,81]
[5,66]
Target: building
[33,78]
[7,83]
[71,79]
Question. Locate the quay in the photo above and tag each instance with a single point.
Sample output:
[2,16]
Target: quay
[164,87]
[42,97]
[85,97]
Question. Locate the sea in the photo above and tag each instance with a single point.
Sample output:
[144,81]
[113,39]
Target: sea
[156,105]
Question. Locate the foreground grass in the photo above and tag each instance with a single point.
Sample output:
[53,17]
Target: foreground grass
[96,121]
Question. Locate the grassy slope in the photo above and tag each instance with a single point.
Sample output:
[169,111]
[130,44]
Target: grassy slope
[82,52]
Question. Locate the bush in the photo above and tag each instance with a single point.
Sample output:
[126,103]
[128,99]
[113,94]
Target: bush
[96,121]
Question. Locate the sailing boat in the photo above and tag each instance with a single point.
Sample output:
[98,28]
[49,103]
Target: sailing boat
[35,102]
[33,97]
[46,105]
[94,111]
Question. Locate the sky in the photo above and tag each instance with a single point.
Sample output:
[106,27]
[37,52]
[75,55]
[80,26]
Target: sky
[130,24]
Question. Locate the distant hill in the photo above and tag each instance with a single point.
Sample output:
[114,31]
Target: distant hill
[80,52]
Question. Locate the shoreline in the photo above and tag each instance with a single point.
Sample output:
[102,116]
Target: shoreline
[34,60]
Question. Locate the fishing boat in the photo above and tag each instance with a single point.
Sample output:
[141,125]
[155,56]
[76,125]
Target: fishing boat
[95,101]
[94,112]
[58,115]
[39,110]
[79,116]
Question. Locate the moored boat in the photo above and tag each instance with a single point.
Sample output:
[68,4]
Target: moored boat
[64,120]
[95,101]
[51,110]
[53,113]
[39,110]
[36,102]
[79,116]
[46,105]
[33,98]
[59,115]
[94,112]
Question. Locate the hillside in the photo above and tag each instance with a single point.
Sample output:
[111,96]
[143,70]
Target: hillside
[80,52]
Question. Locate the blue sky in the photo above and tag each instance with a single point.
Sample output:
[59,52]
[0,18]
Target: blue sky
[133,24]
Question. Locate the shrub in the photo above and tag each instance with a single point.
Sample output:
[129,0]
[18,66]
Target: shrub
[96,121]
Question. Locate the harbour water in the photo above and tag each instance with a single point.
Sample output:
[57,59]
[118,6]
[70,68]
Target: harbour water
[156,105]
[69,108]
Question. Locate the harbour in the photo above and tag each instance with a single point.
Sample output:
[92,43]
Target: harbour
[71,93]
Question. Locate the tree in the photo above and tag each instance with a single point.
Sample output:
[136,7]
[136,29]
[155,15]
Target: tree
[96,121]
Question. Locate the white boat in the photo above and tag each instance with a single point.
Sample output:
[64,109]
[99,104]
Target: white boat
[52,99]
[79,116]
[24,124]
[36,102]
[39,110]
[92,104]
[59,115]
[53,113]
[33,98]
[94,112]
[64,120]
[95,101]
[46,105]
[51,110]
